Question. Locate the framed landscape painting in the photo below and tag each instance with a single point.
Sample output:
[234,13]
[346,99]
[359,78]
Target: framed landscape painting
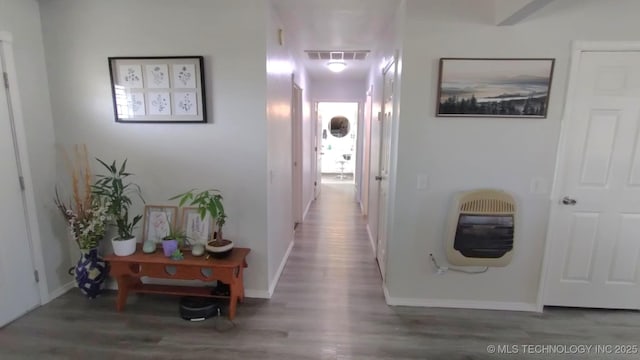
[519,88]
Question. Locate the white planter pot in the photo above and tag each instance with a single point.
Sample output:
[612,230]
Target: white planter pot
[220,251]
[123,247]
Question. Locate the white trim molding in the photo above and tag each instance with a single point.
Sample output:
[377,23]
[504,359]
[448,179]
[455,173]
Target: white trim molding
[276,278]
[257,294]
[577,48]
[460,304]
[373,244]
[306,211]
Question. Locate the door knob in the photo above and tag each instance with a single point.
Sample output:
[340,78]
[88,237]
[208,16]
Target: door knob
[568,201]
[378,178]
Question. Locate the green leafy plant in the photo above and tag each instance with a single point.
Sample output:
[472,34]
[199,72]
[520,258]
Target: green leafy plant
[177,255]
[177,234]
[118,191]
[208,202]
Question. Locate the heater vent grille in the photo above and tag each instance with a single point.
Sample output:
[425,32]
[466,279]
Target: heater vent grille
[487,206]
[337,55]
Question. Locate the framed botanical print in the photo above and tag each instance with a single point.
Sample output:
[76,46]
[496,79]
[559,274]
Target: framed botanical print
[158,221]
[158,89]
[198,230]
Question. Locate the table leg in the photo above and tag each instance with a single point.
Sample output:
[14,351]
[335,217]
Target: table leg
[241,286]
[233,300]
[123,291]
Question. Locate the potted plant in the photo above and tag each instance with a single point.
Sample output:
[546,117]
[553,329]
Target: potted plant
[174,240]
[210,202]
[115,188]
[85,215]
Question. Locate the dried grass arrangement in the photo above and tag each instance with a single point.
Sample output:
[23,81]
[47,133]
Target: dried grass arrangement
[85,213]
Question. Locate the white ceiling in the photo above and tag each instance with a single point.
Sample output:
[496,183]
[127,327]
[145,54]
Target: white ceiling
[335,25]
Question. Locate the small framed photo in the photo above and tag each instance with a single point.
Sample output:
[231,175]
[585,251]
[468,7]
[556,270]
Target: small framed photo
[501,87]
[158,89]
[198,231]
[158,220]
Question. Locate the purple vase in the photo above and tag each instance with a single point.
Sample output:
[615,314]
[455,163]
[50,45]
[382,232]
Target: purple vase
[169,246]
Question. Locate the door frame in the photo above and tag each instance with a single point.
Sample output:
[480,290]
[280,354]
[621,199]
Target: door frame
[296,152]
[35,241]
[577,49]
[316,120]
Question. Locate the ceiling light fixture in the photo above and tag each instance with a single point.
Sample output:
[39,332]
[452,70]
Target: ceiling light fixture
[336,66]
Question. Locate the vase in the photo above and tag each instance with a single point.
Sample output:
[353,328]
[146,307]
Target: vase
[169,246]
[90,272]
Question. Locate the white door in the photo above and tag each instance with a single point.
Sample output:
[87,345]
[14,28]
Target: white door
[595,222]
[296,131]
[385,160]
[366,153]
[318,149]
[18,288]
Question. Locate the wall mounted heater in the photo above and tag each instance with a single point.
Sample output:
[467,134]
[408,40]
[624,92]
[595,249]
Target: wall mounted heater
[481,229]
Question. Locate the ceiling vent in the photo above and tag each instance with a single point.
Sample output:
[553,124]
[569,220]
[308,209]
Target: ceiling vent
[327,55]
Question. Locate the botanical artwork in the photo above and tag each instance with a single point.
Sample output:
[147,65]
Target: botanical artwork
[157,76]
[131,76]
[185,103]
[196,229]
[159,225]
[159,103]
[135,104]
[494,87]
[184,76]
[158,89]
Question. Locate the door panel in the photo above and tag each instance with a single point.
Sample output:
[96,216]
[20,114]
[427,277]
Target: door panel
[318,149]
[595,261]
[385,157]
[18,289]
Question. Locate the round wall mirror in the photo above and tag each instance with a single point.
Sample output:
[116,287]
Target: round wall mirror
[339,126]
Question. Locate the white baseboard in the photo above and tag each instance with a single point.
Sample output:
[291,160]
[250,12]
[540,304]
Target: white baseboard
[257,294]
[373,244]
[460,304]
[306,211]
[61,290]
[274,282]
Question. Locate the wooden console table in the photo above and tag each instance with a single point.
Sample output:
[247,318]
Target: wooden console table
[129,269]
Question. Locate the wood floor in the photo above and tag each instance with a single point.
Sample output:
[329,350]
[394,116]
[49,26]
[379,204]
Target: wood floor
[328,304]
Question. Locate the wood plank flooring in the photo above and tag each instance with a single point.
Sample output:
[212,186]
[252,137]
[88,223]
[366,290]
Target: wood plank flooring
[328,305]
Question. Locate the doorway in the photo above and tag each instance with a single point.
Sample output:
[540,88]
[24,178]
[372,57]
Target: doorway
[338,125]
[593,252]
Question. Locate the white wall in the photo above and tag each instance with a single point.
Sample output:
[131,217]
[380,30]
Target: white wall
[228,153]
[332,89]
[465,153]
[22,19]
[390,45]
[280,66]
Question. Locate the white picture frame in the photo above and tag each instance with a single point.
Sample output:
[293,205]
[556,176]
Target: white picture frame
[197,230]
[158,220]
